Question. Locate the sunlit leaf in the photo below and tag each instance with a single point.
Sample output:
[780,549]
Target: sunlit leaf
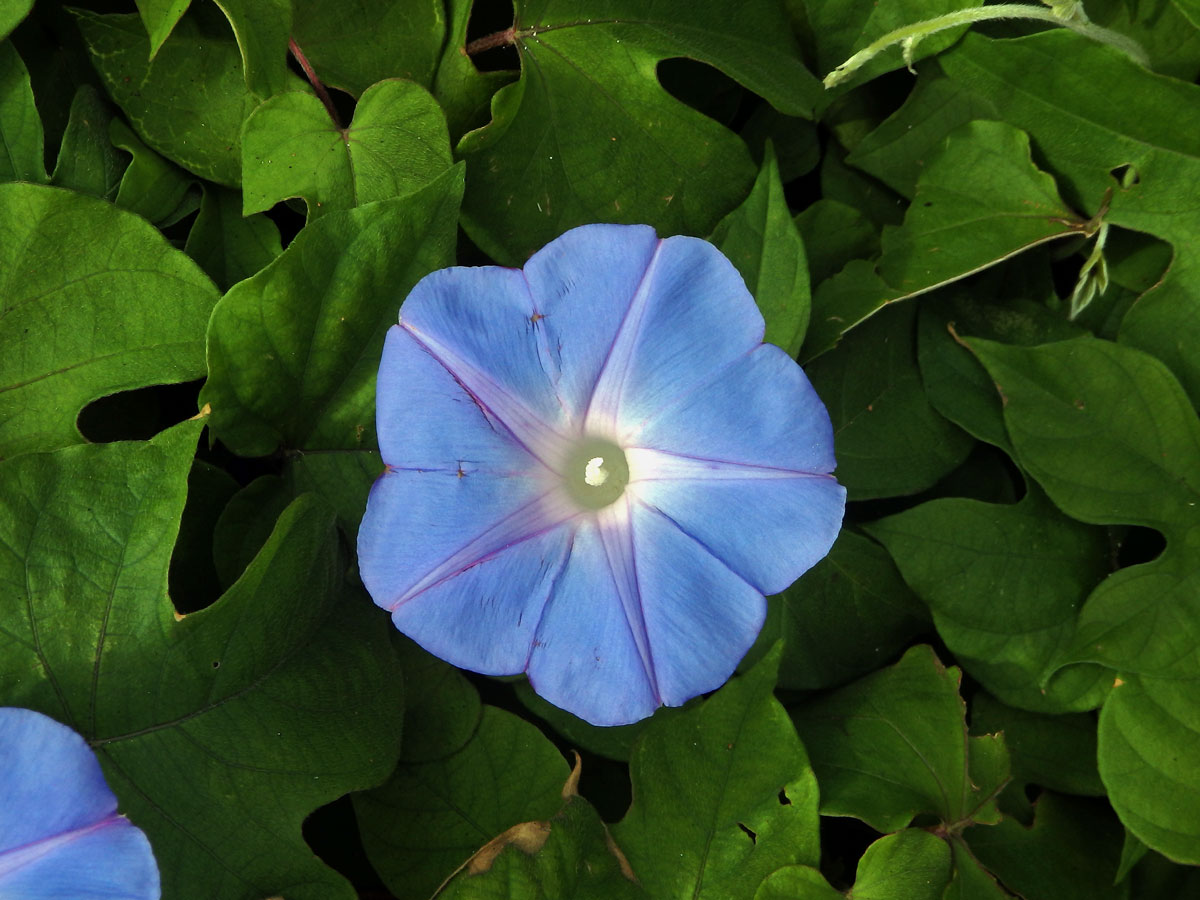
[77,322]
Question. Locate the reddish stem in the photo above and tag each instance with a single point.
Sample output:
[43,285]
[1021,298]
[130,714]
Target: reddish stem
[315,82]
[499,39]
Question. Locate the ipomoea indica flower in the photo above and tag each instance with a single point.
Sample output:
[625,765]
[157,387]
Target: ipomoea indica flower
[595,471]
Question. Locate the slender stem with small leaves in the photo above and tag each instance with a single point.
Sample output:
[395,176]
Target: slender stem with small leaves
[1069,15]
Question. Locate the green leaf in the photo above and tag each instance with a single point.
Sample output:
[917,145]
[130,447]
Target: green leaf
[463,91]
[1070,853]
[1105,429]
[835,233]
[571,855]
[723,795]
[893,745]
[293,351]
[888,440]
[261,28]
[422,823]
[1190,9]
[160,18]
[1149,754]
[87,160]
[82,324]
[227,245]
[192,581]
[971,881]
[1093,112]
[843,27]
[343,478]
[1162,29]
[245,524]
[1133,851]
[957,384]
[1057,752]
[909,865]
[20,125]
[1034,564]
[796,883]
[589,135]
[396,145]
[11,14]
[150,186]
[190,101]
[761,240]
[1156,878]
[352,46]
[441,710]
[1146,618]
[979,200]
[897,150]
[842,618]
[219,731]
[614,742]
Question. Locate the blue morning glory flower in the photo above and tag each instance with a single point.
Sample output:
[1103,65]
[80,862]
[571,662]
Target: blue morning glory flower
[60,835]
[595,471]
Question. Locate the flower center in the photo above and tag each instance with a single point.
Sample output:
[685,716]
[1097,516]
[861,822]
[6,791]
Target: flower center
[596,473]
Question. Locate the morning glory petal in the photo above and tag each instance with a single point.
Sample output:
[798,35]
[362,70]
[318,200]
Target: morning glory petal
[583,284]
[485,617]
[761,411]
[423,528]
[691,317]
[111,860]
[585,658]
[427,421]
[60,834]
[769,526]
[700,617]
[481,324]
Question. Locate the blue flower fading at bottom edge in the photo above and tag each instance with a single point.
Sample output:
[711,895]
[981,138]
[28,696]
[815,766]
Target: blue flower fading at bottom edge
[60,835]
[595,471]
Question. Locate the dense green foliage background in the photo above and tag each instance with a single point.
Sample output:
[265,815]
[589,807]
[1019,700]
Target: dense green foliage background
[991,687]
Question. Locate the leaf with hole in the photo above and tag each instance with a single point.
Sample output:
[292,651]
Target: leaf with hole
[723,794]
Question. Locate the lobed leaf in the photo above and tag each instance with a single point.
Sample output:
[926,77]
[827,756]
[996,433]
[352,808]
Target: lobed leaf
[979,200]
[430,817]
[80,327]
[589,135]
[723,794]
[1005,585]
[894,745]
[889,441]
[1098,117]
[188,103]
[219,731]
[396,145]
[293,351]
[842,618]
